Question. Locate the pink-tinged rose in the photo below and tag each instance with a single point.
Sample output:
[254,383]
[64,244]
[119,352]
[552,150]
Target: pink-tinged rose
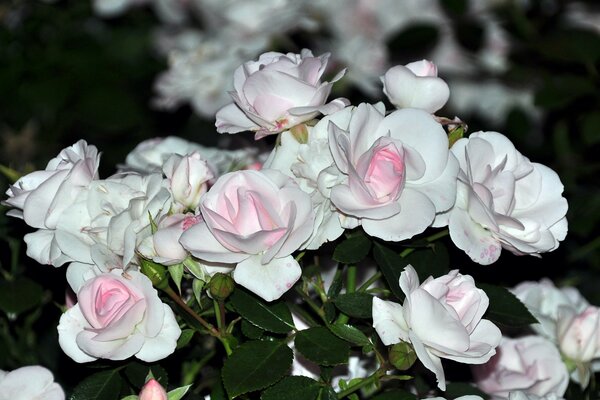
[153,390]
[531,364]
[29,383]
[441,318]
[256,219]
[504,201]
[117,316]
[544,300]
[415,85]
[579,333]
[41,197]
[163,246]
[277,92]
[188,178]
[396,171]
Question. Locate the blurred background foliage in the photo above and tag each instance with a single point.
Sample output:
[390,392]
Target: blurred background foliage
[66,74]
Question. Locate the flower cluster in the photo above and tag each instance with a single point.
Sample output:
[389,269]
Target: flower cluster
[179,210]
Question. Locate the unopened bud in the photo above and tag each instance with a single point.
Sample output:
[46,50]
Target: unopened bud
[156,272]
[153,390]
[402,356]
[221,286]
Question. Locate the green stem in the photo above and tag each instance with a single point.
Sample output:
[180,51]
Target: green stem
[211,329]
[365,382]
[311,304]
[218,315]
[429,239]
[369,282]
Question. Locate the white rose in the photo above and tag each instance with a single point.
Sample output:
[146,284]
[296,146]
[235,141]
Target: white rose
[29,383]
[441,318]
[277,92]
[41,197]
[416,85]
[398,173]
[531,364]
[188,178]
[504,201]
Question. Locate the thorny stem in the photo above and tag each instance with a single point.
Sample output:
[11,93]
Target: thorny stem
[211,329]
[429,239]
[365,382]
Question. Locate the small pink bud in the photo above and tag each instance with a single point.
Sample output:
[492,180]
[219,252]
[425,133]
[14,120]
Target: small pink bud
[152,390]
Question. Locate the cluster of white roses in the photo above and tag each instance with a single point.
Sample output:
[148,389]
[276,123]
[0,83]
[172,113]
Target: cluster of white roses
[394,173]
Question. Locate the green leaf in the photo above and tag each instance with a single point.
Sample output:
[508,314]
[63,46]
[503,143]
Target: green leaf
[197,286]
[505,308]
[327,393]
[353,249]
[136,372]
[177,394]
[391,265]
[176,272]
[185,337]
[273,317]
[358,304]
[336,284]
[251,331]
[322,347]
[350,334]
[396,394]
[432,260]
[104,385]
[293,388]
[256,365]
[19,295]
[131,397]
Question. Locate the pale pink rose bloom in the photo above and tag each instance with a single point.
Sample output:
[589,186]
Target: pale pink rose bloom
[163,246]
[544,300]
[41,197]
[530,364]
[579,333]
[116,317]
[277,92]
[441,318]
[256,219]
[153,390]
[398,172]
[504,201]
[29,383]
[416,85]
[188,178]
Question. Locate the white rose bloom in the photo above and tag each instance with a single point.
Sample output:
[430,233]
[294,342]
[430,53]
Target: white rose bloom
[113,214]
[188,178]
[150,155]
[440,318]
[544,300]
[397,171]
[29,383]
[41,197]
[504,200]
